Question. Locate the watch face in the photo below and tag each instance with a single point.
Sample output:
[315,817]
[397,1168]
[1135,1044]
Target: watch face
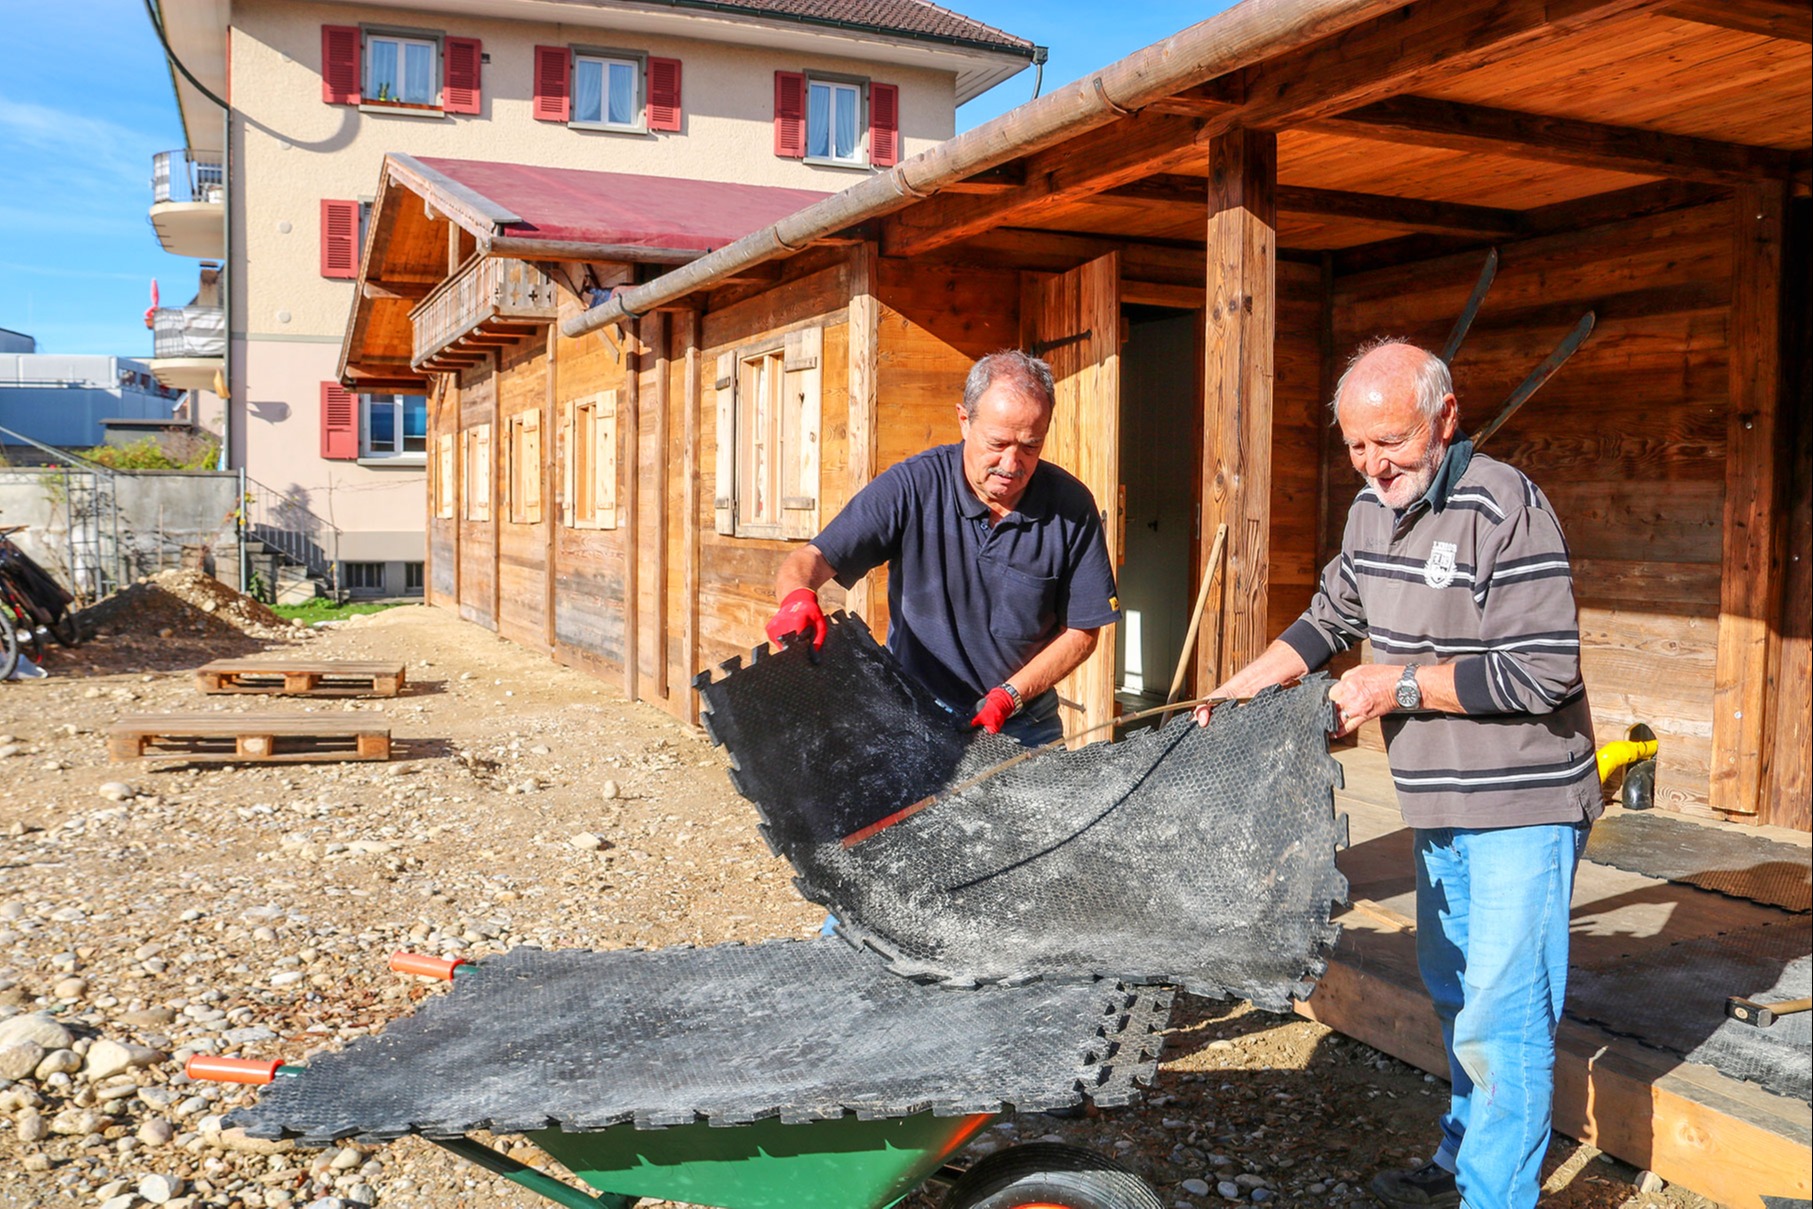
[1408,697]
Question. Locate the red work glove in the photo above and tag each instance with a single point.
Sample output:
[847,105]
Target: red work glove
[993,710]
[799,614]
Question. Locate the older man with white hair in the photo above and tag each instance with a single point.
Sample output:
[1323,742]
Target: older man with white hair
[1453,565]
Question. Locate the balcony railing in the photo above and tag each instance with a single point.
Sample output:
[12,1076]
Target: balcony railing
[486,299]
[187,176]
[188,331]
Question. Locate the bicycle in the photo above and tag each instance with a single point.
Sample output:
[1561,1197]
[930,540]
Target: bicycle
[31,602]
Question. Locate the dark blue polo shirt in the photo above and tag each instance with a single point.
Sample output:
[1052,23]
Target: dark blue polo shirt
[970,604]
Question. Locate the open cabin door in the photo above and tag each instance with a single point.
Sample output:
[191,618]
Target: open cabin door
[1073,321]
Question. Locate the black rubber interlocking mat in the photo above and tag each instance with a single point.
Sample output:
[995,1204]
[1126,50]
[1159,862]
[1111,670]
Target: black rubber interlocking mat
[802,1030]
[1201,857]
[1729,860]
[1674,999]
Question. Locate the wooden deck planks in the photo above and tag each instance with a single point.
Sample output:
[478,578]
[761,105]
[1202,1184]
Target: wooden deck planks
[249,738]
[1722,1138]
[302,677]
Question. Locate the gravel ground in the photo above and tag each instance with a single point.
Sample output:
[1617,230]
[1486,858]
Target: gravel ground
[151,912]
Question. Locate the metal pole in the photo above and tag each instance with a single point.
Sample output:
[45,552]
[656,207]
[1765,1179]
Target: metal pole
[239,525]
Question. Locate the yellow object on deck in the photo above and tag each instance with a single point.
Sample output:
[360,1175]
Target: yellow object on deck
[1616,755]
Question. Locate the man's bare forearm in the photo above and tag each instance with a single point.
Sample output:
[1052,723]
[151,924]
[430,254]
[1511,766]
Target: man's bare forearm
[804,568]
[1276,664]
[1059,658]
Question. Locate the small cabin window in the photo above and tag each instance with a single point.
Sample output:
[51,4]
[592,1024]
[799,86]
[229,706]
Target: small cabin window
[768,437]
[589,498]
[475,481]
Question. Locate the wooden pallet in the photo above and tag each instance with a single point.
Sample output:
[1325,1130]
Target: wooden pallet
[248,738]
[301,677]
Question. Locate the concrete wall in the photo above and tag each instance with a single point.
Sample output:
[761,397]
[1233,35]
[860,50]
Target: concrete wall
[162,514]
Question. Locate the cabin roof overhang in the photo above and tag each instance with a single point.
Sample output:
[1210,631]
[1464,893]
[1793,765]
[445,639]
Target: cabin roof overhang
[1403,129]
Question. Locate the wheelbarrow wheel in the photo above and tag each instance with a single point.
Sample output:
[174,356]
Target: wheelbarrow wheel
[1045,1175]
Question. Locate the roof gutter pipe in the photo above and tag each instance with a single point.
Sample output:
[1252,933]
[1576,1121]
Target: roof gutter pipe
[1245,34]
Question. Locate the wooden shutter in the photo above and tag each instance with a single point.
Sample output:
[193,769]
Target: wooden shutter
[604,460]
[339,238]
[802,378]
[724,499]
[339,423]
[529,458]
[460,87]
[790,114]
[884,125]
[569,456]
[664,94]
[444,485]
[552,66]
[340,64]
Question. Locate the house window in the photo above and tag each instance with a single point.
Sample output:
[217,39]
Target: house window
[590,466]
[768,438]
[401,70]
[394,427]
[834,126]
[413,579]
[362,577]
[523,457]
[475,472]
[607,92]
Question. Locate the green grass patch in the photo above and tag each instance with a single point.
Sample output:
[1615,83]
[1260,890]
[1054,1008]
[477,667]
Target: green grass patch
[323,609]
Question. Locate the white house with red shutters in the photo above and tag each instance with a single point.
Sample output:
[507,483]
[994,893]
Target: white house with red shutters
[288,109]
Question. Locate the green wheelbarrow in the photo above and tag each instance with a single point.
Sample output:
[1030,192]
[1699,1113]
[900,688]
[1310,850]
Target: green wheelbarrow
[788,1075]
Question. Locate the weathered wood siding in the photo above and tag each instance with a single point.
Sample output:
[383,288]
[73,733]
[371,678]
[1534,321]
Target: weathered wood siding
[521,544]
[1628,441]
[477,538]
[1299,420]
[589,563]
[441,580]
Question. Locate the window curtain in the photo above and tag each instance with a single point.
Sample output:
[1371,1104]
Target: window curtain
[418,74]
[818,121]
[382,84]
[588,91]
[623,94]
[846,123]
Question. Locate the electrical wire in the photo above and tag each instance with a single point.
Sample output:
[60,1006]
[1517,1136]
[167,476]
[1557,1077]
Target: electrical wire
[157,25]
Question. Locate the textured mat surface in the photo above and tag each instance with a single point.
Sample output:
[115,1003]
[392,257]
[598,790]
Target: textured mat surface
[1725,859]
[1674,999]
[796,1029]
[1202,857]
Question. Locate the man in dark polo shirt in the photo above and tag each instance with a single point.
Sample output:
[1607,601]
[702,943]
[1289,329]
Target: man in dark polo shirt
[998,573]
[1453,566]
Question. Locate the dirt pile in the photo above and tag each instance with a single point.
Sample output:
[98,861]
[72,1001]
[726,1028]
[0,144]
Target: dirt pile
[184,603]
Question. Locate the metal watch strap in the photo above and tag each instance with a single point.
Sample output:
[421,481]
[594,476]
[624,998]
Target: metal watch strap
[1408,678]
[1013,695]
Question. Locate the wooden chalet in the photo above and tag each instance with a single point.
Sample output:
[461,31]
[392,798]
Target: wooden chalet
[630,429]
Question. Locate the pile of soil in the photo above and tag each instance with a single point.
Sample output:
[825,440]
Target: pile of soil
[184,603]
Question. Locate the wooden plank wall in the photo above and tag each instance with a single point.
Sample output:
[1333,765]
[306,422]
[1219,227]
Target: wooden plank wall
[1628,441]
[936,320]
[521,546]
[1299,424]
[588,563]
[441,584]
[1790,791]
[477,563]
[736,574]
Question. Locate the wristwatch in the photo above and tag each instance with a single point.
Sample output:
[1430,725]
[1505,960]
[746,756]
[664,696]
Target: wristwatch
[1408,694]
[1013,695]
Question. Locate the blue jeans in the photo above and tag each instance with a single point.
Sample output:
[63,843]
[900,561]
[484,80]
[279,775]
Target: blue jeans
[1492,945]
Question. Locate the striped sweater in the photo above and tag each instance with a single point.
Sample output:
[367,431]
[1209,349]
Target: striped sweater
[1476,575]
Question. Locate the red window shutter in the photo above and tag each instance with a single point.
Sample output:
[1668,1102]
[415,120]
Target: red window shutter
[340,64]
[663,94]
[790,114]
[339,238]
[551,67]
[460,91]
[339,422]
[884,125]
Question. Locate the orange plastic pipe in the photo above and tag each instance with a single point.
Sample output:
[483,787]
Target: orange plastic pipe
[210,1069]
[424,965]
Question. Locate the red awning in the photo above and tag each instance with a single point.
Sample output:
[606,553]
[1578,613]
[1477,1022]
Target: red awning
[620,208]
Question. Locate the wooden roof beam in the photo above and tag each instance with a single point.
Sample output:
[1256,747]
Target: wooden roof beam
[1452,126]
[1425,41]
[408,290]
[1411,213]
[1004,179]
[1790,20]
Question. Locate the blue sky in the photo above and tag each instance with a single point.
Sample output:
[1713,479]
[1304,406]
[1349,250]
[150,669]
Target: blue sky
[86,102]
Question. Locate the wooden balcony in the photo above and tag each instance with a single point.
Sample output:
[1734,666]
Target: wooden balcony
[488,303]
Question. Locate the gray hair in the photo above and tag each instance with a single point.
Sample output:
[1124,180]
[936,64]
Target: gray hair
[1027,375]
[1433,382]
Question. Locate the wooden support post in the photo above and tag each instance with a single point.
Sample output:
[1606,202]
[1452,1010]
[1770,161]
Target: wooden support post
[865,335]
[1790,794]
[1240,325]
[663,337]
[553,442]
[630,459]
[496,469]
[689,508]
[1755,471]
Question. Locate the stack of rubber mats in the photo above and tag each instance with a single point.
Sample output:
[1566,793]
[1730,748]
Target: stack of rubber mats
[801,1030]
[1198,857]
[1044,916]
